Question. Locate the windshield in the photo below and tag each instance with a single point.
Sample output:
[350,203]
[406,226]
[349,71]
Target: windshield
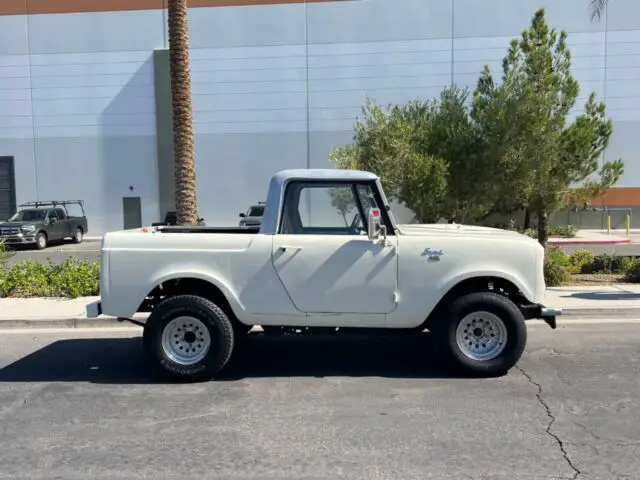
[29,216]
[255,211]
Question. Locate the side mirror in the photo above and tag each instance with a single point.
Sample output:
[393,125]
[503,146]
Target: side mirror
[374,225]
[53,220]
[242,215]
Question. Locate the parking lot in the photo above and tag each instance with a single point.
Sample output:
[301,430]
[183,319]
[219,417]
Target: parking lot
[87,250]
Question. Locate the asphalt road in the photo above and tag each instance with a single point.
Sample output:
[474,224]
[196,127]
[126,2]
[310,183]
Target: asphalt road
[77,405]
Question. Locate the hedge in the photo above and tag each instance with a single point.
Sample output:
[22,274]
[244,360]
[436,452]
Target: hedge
[72,278]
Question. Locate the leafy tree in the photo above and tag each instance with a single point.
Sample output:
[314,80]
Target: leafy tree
[342,200]
[552,155]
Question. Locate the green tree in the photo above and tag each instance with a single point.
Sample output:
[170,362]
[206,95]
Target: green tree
[183,136]
[555,156]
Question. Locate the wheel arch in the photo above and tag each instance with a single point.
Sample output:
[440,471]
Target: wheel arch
[503,285]
[193,284]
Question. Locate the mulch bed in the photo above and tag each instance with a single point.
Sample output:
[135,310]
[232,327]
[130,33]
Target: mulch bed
[595,279]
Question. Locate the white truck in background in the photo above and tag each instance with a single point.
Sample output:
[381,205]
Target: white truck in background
[327,255]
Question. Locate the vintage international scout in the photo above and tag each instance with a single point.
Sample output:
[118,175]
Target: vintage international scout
[327,256]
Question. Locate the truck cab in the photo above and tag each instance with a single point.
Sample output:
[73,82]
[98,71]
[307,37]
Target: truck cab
[327,256]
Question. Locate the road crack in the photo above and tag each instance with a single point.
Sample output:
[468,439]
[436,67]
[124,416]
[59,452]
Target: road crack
[552,420]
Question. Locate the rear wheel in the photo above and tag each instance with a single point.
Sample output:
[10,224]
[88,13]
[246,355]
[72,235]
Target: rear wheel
[189,337]
[483,333]
[79,236]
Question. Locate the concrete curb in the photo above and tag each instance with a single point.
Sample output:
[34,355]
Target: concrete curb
[76,322]
[572,314]
[589,242]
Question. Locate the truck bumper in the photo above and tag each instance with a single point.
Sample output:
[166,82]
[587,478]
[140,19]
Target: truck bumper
[94,309]
[19,239]
[539,311]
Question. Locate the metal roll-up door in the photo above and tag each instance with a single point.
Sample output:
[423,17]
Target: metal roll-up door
[7,188]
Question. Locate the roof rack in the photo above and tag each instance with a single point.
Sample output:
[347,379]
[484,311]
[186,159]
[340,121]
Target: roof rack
[51,203]
[54,203]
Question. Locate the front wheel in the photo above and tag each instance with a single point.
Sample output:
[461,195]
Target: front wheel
[189,337]
[483,333]
[41,241]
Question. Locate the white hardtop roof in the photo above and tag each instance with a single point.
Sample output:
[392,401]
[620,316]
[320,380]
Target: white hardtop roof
[323,174]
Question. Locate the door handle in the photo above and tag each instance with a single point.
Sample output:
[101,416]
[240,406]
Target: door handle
[284,248]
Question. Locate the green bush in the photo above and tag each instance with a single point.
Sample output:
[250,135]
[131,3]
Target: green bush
[632,275]
[566,231]
[72,278]
[610,264]
[556,267]
[5,253]
[580,261]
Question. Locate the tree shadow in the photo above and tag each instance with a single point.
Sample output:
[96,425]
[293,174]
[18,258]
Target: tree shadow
[607,296]
[122,360]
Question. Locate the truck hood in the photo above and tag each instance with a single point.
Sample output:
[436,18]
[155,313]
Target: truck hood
[466,230]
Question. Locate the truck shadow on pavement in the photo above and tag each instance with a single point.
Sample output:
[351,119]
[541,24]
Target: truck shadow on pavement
[122,360]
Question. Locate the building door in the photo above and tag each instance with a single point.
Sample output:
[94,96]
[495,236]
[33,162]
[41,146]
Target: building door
[131,212]
[7,188]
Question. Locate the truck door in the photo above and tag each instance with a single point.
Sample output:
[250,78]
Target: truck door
[323,255]
[64,226]
[54,228]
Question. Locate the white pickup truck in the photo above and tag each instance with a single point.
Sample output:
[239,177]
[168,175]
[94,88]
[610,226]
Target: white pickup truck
[327,256]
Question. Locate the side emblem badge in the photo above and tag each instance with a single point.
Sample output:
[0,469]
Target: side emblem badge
[432,254]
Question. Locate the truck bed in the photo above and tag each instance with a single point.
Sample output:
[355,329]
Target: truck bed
[206,229]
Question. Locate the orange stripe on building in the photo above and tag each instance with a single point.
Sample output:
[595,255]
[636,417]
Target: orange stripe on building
[22,7]
[619,197]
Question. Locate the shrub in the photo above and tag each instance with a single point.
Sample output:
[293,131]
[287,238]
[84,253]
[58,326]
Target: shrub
[566,231]
[580,261]
[556,264]
[5,253]
[72,278]
[632,275]
[607,263]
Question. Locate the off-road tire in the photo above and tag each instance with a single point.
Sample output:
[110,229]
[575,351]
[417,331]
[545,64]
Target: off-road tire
[505,310]
[217,323]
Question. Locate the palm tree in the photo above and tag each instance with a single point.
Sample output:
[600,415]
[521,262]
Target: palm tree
[183,137]
[598,8]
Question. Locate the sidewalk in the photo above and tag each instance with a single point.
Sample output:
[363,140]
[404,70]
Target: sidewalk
[597,302]
[596,237]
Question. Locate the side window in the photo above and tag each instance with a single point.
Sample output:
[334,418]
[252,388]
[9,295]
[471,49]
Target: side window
[52,214]
[60,213]
[322,209]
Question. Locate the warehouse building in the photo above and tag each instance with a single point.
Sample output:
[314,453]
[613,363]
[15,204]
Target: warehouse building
[85,104]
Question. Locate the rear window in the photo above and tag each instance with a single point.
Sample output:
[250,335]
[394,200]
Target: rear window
[255,211]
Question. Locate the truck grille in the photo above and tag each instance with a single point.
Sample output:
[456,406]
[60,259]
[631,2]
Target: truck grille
[9,231]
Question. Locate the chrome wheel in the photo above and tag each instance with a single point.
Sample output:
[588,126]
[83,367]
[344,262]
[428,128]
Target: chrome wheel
[79,236]
[481,336]
[186,340]
[42,241]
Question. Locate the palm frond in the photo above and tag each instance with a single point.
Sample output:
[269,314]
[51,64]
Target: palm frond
[598,7]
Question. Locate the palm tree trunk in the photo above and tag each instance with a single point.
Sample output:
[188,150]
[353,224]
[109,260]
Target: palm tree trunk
[183,137]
